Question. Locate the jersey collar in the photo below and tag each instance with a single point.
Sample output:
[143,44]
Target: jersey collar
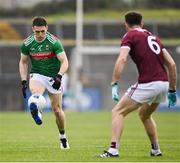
[39,41]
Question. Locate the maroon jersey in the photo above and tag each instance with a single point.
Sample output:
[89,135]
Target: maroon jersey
[146,52]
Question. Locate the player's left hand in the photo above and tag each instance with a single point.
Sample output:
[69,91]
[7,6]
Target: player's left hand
[24,87]
[57,81]
[115,91]
[172,98]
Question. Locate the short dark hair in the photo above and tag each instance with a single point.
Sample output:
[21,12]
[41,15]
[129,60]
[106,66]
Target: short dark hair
[133,18]
[39,21]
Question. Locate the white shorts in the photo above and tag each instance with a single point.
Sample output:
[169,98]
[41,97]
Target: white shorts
[46,81]
[152,92]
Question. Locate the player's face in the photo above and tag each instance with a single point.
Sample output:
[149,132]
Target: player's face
[40,32]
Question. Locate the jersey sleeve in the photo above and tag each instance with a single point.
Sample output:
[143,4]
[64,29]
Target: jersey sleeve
[126,40]
[58,48]
[160,43]
[24,49]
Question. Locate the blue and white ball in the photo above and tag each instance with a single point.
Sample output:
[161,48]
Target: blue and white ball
[39,100]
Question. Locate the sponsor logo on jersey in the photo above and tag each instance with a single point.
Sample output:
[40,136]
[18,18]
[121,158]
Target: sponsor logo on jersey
[43,55]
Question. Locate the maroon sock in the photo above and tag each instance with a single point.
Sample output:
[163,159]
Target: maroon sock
[113,145]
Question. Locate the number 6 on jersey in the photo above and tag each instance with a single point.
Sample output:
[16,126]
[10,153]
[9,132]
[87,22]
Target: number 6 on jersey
[154,46]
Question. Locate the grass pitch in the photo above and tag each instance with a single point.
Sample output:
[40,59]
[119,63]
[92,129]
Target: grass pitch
[21,140]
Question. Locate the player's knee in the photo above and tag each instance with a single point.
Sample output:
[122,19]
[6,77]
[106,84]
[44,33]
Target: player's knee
[113,112]
[56,108]
[118,111]
[143,116]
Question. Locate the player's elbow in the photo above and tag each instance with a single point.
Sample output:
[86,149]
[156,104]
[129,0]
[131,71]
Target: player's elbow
[122,60]
[67,64]
[22,62]
[172,66]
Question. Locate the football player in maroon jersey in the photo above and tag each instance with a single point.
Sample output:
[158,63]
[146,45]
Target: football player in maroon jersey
[154,82]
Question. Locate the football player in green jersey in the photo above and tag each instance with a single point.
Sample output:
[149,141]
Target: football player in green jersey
[48,64]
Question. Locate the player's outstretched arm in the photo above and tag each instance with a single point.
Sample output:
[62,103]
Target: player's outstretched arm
[64,63]
[23,70]
[119,65]
[118,68]
[171,66]
[23,66]
[64,66]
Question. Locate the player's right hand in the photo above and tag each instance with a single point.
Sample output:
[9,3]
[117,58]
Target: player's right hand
[115,91]
[24,87]
[172,98]
[57,81]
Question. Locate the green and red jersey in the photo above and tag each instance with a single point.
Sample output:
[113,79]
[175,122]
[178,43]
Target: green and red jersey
[43,55]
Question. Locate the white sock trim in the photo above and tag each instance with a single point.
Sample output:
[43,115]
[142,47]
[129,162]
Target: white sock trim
[113,151]
[62,136]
